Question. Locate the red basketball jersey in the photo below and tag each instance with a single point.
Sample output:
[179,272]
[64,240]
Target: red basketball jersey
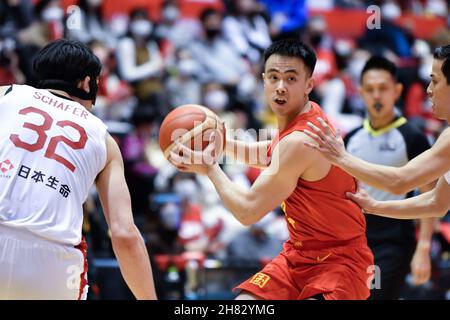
[320,210]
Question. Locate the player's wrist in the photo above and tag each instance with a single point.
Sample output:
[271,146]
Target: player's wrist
[212,169]
[424,245]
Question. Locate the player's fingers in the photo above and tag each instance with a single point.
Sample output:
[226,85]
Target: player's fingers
[313,136]
[352,196]
[317,131]
[418,277]
[359,185]
[313,146]
[184,150]
[326,127]
[183,168]
[175,158]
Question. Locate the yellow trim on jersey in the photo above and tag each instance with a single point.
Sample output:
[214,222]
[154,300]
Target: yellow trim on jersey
[283,207]
[397,123]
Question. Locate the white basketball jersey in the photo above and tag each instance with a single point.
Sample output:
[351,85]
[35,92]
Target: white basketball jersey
[447,177]
[51,150]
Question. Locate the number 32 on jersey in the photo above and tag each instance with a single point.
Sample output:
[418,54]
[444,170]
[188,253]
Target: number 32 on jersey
[42,137]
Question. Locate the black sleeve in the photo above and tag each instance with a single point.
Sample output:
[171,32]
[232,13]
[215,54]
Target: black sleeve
[416,141]
[349,135]
[9,90]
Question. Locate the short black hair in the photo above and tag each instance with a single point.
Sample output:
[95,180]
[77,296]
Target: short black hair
[443,53]
[66,60]
[379,63]
[62,64]
[292,48]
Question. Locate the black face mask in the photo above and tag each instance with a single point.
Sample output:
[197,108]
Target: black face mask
[212,33]
[70,88]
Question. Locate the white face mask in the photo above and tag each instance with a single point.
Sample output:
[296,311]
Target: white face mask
[170,216]
[186,189]
[141,28]
[52,14]
[170,13]
[216,99]
[390,11]
[187,67]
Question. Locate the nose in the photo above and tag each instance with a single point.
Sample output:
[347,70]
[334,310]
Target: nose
[280,89]
[376,95]
[429,91]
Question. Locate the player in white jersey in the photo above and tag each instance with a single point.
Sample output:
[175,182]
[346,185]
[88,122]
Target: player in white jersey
[430,165]
[52,150]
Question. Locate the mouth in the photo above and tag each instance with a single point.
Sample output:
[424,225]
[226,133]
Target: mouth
[280,101]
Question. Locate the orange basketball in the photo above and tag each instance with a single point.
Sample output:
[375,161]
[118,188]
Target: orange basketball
[194,124]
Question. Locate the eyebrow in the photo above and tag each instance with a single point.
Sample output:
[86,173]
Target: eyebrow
[287,71]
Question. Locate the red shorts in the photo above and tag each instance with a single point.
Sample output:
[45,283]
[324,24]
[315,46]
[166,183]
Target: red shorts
[337,272]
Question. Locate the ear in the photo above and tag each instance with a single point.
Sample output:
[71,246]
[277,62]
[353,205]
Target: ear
[309,85]
[263,75]
[398,90]
[84,84]
[360,90]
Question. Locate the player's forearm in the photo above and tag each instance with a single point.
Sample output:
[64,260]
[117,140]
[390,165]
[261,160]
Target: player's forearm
[424,205]
[234,197]
[382,177]
[425,234]
[253,154]
[134,264]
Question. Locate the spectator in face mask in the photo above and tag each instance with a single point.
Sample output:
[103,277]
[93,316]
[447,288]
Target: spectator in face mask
[139,58]
[48,25]
[219,60]
[247,29]
[391,38]
[215,97]
[174,30]
[91,24]
[182,86]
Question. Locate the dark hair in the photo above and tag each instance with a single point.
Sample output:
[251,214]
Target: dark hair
[293,48]
[62,64]
[139,12]
[205,14]
[143,114]
[379,63]
[443,53]
[84,6]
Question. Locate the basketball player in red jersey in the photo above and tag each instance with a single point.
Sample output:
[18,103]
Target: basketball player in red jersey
[326,255]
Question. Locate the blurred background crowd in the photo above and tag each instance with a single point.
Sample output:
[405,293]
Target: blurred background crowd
[159,54]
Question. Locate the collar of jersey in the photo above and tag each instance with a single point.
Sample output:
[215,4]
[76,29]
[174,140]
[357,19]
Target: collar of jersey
[397,123]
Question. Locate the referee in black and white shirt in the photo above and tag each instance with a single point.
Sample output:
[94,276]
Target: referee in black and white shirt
[389,139]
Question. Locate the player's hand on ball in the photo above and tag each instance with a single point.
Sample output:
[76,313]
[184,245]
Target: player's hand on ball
[188,160]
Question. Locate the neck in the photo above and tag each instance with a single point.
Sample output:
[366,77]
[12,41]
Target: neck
[85,103]
[284,121]
[381,122]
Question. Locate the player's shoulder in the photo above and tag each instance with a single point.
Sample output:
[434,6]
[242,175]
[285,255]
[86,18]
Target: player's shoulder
[294,143]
